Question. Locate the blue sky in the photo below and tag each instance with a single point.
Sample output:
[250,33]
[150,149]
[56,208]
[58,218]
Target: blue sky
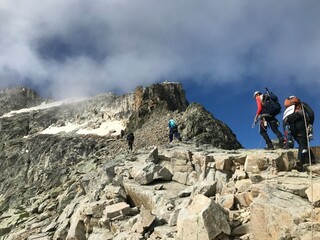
[222,51]
[237,108]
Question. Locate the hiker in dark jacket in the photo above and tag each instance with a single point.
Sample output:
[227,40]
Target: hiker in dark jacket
[173,130]
[265,121]
[130,140]
[298,118]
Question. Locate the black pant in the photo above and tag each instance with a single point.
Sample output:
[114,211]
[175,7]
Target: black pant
[130,143]
[273,123]
[299,133]
[174,131]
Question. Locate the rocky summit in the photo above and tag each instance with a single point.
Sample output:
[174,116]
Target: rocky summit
[67,173]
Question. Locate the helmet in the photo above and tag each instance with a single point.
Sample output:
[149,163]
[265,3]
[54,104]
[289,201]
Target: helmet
[256,93]
[291,97]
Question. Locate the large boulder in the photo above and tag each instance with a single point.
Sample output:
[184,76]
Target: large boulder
[202,219]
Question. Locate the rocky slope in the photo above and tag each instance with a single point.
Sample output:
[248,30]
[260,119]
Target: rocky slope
[17,98]
[66,174]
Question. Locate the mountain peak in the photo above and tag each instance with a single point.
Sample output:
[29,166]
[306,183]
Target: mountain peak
[146,111]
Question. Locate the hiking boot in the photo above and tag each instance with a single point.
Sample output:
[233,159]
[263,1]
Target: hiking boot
[269,146]
[299,166]
[291,144]
[282,143]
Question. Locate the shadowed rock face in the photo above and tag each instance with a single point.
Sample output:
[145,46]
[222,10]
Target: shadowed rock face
[158,98]
[17,98]
[199,125]
[38,164]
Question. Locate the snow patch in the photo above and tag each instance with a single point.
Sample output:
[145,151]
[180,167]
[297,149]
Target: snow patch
[107,128]
[112,128]
[43,105]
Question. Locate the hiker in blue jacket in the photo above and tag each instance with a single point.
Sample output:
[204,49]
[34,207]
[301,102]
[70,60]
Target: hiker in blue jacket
[173,130]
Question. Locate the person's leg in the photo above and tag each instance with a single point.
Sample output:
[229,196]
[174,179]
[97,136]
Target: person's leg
[130,145]
[301,137]
[264,134]
[303,148]
[298,132]
[171,135]
[289,138]
[177,135]
[286,134]
[274,127]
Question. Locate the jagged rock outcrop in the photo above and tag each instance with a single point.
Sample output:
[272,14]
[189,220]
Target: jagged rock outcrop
[154,106]
[67,175]
[199,125]
[17,98]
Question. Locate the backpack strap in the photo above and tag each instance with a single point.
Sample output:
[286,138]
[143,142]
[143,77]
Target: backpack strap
[289,110]
[266,115]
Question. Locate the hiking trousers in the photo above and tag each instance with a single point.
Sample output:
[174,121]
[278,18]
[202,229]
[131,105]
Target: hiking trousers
[174,132]
[130,144]
[273,123]
[298,131]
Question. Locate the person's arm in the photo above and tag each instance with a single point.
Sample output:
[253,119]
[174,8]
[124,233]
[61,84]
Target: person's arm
[259,108]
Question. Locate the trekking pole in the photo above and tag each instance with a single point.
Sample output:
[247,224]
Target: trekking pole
[310,174]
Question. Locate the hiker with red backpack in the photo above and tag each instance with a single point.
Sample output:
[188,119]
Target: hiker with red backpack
[298,118]
[268,107]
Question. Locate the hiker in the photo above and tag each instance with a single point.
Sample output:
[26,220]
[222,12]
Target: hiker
[173,130]
[122,133]
[130,140]
[299,118]
[267,110]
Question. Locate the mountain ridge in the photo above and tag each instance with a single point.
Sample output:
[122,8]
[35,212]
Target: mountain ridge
[140,109]
[68,174]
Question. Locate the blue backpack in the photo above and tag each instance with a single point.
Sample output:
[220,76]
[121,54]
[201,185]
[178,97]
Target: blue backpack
[172,124]
[271,104]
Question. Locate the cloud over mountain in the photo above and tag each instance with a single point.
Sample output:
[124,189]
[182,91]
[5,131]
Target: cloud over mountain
[85,47]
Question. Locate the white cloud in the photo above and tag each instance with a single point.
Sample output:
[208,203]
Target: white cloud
[85,47]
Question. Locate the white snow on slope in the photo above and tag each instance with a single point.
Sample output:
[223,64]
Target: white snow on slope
[43,105]
[109,127]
